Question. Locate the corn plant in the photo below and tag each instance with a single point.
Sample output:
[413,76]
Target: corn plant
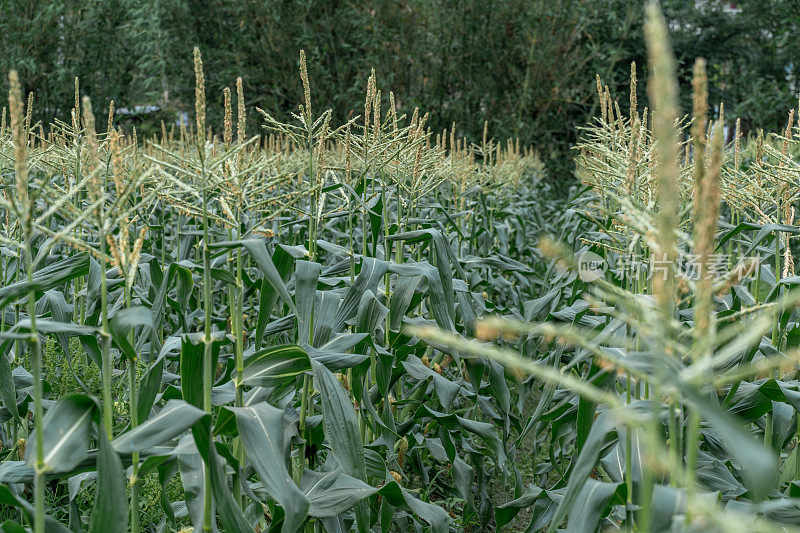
[653,348]
[371,325]
[230,318]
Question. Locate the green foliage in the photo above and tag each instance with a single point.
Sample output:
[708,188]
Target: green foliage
[525,67]
[664,344]
[224,322]
[291,331]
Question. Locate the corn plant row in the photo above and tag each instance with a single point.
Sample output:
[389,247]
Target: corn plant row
[242,303]
[665,341]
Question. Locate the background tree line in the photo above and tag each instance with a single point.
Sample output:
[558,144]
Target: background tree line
[526,66]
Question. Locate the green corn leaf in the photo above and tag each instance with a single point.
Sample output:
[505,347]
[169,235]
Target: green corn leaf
[111,509]
[126,321]
[342,432]
[275,365]
[173,419]
[65,431]
[261,431]
[46,278]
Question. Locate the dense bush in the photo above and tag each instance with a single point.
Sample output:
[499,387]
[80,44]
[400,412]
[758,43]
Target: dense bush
[526,67]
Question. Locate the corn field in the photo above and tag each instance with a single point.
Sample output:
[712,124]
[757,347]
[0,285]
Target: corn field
[375,326]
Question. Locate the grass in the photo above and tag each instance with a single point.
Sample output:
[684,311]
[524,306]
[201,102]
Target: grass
[62,374]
